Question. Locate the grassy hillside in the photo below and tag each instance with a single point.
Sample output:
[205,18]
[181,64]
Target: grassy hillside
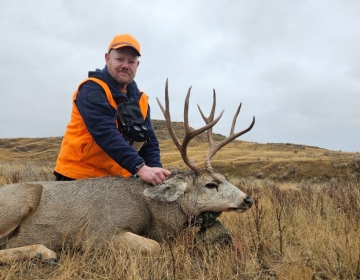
[276,161]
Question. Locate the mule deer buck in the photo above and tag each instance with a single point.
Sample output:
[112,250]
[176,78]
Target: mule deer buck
[37,219]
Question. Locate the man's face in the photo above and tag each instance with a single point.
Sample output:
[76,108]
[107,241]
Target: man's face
[122,64]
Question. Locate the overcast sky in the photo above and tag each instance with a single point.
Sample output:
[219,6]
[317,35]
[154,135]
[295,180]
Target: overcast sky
[295,65]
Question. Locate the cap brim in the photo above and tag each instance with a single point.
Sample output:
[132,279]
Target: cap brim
[118,46]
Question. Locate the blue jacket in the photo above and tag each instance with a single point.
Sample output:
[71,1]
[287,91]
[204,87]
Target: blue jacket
[99,118]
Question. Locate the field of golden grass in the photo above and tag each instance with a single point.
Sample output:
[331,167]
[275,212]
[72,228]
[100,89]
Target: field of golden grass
[304,223]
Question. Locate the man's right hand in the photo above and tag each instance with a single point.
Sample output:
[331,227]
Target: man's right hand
[153,175]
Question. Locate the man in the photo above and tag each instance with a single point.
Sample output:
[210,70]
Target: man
[94,143]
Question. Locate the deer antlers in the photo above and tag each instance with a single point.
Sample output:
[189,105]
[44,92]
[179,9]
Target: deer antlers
[190,134]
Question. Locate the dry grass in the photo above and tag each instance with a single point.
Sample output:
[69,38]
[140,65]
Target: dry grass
[304,223]
[298,230]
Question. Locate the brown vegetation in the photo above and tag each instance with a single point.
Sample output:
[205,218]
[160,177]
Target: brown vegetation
[279,162]
[304,223]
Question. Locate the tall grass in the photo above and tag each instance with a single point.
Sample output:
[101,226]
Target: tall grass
[300,230]
[25,171]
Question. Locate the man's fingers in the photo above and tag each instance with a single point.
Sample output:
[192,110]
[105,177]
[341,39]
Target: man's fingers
[158,180]
[162,177]
[155,175]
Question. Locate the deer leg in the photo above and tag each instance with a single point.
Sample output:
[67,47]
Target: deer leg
[16,203]
[137,242]
[27,252]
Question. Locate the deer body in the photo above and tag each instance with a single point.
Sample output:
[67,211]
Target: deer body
[67,209]
[108,209]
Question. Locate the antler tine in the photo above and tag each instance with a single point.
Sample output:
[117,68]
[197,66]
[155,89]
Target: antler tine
[166,113]
[189,134]
[232,136]
[209,131]
[210,118]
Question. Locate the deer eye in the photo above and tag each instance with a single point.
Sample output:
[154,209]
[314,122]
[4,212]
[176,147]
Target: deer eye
[211,186]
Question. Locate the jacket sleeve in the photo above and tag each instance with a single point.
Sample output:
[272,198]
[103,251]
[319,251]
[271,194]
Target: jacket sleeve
[150,152]
[99,118]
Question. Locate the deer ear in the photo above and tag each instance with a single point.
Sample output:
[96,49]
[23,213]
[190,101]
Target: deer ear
[168,191]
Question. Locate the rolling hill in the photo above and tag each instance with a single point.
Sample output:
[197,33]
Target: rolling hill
[276,161]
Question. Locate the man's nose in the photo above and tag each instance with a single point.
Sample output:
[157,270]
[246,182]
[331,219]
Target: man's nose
[125,65]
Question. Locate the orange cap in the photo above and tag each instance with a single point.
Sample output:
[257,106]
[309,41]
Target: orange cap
[124,40]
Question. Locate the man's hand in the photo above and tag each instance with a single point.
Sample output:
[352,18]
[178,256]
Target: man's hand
[153,175]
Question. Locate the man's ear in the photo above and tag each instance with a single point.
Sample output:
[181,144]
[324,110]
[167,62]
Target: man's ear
[107,56]
[168,191]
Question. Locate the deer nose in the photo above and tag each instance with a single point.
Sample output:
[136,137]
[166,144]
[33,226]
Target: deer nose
[248,201]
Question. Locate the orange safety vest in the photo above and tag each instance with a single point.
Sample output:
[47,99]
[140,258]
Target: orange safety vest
[80,157]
